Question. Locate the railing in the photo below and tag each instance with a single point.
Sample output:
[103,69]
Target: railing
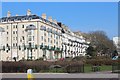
[95,68]
[116,68]
[75,68]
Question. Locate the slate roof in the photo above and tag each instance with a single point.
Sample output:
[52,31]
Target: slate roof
[17,18]
[26,17]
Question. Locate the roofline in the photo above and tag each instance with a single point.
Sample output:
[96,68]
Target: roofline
[40,18]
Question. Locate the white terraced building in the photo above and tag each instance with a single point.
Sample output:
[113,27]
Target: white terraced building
[2,43]
[33,37]
[73,44]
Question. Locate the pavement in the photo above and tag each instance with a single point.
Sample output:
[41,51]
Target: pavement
[62,75]
[103,72]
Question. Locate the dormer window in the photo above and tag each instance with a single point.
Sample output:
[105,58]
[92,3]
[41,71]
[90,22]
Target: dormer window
[3,20]
[23,18]
[43,28]
[30,18]
[18,19]
[30,27]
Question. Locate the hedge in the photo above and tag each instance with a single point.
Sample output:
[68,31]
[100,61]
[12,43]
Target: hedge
[41,66]
[101,61]
[38,66]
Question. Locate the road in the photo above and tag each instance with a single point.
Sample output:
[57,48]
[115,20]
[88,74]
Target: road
[63,76]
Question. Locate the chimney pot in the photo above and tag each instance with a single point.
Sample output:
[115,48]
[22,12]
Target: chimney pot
[28,12]
[44,15]
[8,14]
[16,14]
[55,21]
[50,19]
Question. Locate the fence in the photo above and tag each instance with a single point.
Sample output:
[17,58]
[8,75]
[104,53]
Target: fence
[75,68]
[116,68]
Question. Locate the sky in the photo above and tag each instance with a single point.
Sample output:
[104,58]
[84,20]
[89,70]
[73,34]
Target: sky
[78,16]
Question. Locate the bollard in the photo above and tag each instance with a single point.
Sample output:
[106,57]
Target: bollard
[29,74]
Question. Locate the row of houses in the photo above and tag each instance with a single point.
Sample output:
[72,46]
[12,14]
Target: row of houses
[32,37]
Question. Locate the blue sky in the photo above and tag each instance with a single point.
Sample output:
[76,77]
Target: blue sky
[79,16]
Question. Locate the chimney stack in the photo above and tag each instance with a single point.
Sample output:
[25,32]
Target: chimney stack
[28,12]
[8,14]
[50,19]
[55,21]
[44,15]
[16,15]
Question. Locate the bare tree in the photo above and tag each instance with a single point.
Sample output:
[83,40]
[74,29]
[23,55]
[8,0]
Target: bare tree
[102,44]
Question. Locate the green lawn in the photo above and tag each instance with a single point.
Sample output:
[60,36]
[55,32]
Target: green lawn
[106,68]
[88,68]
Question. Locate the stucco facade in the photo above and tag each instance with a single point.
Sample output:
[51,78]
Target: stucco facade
[73,45]
[34,37]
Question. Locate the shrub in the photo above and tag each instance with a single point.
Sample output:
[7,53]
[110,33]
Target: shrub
[75,67]
[79,58]
[61,63]
[22,66]
[39,59]
[12,67]
[43,66]
[101,61]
